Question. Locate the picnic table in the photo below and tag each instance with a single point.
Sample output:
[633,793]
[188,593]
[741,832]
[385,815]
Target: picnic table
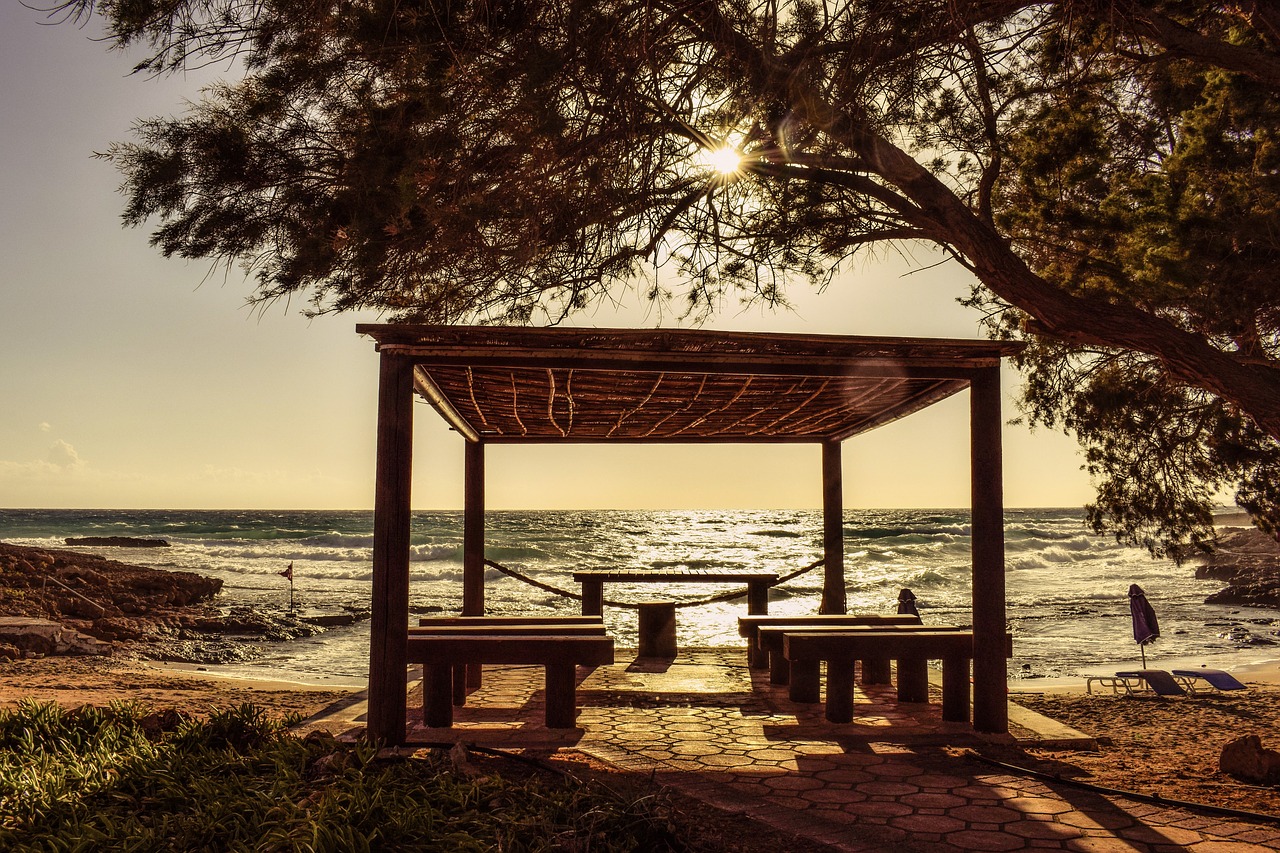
[657,620]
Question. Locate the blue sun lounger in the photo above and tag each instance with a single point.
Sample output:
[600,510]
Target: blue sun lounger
[1217,679]
[1161,682]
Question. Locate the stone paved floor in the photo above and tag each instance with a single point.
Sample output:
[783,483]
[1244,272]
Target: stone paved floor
[894,779]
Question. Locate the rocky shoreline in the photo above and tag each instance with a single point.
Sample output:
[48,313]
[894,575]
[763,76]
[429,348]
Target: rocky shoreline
[1249,561]
[56,602]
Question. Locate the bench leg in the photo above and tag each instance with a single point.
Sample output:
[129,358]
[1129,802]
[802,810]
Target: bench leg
[955,689]
[779,668]
[437,695]
[757,598]
[460,684]
[840,691]
[876,671]
[562,683]
[913,679]
[806,683]
[475,677]
[757,658]
[593,598]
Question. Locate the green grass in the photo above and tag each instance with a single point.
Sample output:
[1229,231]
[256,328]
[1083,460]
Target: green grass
[123,778]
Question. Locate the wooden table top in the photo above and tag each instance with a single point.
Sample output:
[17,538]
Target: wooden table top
[676,575]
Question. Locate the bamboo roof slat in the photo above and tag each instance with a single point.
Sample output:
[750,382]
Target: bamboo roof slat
[496,384]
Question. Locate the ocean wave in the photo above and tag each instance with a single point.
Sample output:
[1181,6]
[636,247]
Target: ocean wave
[910,532]
[695,564]
[778,534]
[430,553]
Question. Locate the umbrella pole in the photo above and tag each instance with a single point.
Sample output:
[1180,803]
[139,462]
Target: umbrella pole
[1142,648]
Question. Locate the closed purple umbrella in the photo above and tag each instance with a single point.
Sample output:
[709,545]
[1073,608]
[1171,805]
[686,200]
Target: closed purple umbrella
[907,603]
[1145,626]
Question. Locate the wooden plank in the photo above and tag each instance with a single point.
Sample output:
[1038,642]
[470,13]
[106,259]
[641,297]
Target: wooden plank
[389,610]
[532,629]
[427,621]
[673,576]
[511,649]
[749,625]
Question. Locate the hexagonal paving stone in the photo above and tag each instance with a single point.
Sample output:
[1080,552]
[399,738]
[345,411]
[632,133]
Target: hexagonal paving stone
[995,815]
[939,824]
[968,839]
[883,809]
[887,788]
[791,782]
[1038,805]
[927,800]
[1094,817]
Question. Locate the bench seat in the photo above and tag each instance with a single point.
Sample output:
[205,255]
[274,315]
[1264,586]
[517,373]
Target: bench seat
[875,669]
[840,650]
[559,655]
[468,678]
[749,626]
[430,621]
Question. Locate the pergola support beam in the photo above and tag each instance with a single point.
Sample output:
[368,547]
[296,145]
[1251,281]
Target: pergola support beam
[473,531]
[990,673]
[389,614]
[833,581]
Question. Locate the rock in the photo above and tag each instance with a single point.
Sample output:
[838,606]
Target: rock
[1247,760]
[1248,560]
[118,542]
[34,636]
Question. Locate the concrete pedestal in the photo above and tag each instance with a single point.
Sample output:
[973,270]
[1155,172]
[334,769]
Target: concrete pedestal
[657,629]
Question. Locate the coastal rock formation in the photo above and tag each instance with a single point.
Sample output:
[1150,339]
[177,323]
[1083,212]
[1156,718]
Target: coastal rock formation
[1249,561]
[1247,760]
[102,606]
[83,594]
[118,542]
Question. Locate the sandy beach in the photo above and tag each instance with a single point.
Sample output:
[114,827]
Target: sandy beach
[1168,747]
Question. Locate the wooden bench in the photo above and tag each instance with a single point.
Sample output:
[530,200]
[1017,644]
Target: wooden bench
[875,669]
[559,655]
[955,648]
[757,658]
[468,678]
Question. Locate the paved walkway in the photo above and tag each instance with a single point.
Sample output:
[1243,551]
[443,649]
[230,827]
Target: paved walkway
[897,778]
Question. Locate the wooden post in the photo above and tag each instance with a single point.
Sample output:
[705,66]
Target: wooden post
[473,531]
[833,585]
[990,674]
[389,614]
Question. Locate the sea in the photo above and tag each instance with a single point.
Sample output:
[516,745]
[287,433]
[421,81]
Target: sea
[1067,588]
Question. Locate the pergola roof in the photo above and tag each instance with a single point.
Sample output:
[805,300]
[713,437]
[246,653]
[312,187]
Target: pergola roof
[507,385]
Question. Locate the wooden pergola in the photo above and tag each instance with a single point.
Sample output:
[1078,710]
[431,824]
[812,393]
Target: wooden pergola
[505,385]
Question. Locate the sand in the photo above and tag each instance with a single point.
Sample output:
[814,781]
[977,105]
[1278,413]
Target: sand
[75,681]
[1151,745]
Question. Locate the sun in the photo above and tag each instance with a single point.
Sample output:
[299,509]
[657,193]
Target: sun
[726,160]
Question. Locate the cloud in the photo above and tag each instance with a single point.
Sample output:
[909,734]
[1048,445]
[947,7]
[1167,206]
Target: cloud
[45,426]
[64,455]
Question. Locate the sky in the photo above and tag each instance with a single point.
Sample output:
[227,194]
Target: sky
[128,380]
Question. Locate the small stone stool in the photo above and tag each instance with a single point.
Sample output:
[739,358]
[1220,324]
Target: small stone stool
[657,629]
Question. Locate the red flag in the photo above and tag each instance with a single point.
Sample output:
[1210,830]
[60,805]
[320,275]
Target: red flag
[288,573]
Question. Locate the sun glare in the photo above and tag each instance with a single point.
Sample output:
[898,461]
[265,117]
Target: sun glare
[724,160]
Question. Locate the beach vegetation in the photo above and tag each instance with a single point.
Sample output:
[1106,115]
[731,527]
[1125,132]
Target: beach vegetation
[1107,172]
[125,778]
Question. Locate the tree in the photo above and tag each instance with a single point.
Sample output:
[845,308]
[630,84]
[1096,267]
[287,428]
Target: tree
[1106,170]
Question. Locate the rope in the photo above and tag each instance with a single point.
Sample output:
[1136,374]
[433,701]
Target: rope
[724,596]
